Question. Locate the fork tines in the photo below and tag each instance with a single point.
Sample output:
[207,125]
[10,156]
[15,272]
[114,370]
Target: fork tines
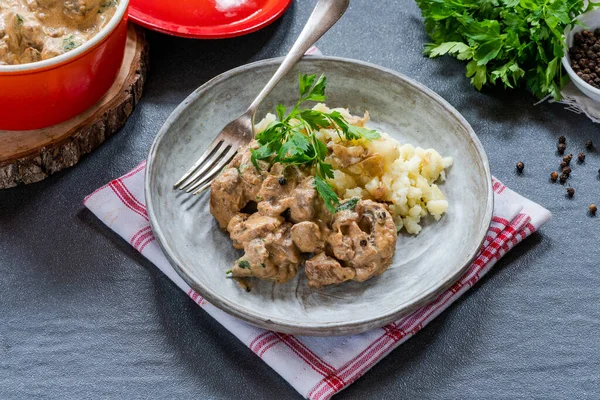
[201,174]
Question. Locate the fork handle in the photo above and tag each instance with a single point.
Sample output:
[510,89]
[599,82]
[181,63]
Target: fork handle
[323,17]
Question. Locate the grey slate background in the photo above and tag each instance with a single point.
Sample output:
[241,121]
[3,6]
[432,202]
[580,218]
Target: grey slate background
[82,315]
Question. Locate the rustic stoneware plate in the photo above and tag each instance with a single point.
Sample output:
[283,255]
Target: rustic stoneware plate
[423,266]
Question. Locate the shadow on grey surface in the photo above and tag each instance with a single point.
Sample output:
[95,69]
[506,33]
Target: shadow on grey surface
[92,223]
[432,343]
[14,199]
[205,59]
[203,343]
[191,331]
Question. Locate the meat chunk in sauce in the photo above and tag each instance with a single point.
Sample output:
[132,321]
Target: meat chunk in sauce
[307,237]
[269,252]
[227,196]
[323,270]
[364,239]
[291,190]
[290,225]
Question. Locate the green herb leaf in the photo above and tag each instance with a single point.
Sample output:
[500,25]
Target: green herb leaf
[297,144]
[69,43]
[315,119]
[361,132]
[272,133]
[280,109]
[349,205]
[326,170]
[262,153]
[487,51]
[20,20]
[458,48]
[244,264]
[305,83]
[327,193]
[317,93]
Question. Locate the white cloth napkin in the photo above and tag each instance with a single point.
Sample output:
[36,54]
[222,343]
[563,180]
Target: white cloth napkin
[317,367]
[579,103]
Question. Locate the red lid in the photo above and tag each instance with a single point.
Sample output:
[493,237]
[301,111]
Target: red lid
[206,19]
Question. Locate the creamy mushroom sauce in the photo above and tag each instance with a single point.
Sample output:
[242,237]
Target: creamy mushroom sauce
[35,30]
[274,214]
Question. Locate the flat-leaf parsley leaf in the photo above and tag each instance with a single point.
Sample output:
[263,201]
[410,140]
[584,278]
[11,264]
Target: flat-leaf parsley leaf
[291,140]
[516,43]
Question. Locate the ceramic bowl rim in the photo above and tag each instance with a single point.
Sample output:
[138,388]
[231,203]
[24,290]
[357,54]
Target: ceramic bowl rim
[319,328]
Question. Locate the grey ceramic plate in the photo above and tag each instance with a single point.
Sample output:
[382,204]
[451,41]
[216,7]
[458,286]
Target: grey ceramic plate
[423,265]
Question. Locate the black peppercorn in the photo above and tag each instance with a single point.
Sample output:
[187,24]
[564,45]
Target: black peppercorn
[568,159]
[363,242]
[593,209]
[563,178]
[562,139]
[567,171]
[581,157]
[563,165]
[520,166]
[570,192]
[554,176]
[282,181]
[584,55]
[589,145]
[561,148]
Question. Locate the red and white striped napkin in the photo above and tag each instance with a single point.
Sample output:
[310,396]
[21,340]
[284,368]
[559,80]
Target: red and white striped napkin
[317,367]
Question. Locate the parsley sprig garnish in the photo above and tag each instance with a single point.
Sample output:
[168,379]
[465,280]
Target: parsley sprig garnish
[508,42]
[291,139]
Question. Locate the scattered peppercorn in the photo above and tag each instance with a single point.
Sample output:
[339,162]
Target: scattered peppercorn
[282,181]
[568,158]
[563,165]
[581,157]
[589,144]
[561,148]
[554,176]
[593,209]
[563,177]
[562,139]
[570,192]
[520,166]
[363,242]
[567,171]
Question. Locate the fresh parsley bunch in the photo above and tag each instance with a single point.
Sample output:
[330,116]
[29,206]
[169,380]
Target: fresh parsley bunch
[515,42]
[291,139]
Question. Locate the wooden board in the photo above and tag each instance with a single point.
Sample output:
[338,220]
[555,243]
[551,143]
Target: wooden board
[30,156]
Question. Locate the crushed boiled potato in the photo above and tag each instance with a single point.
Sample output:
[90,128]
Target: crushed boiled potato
[385,170]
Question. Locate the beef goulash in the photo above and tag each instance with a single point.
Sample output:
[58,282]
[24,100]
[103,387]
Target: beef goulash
[318,189]
[34,30]
[274,215]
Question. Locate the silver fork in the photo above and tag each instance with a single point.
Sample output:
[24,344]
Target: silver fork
[240,131]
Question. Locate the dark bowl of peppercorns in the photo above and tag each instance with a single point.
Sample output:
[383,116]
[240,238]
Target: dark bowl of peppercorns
[582,59]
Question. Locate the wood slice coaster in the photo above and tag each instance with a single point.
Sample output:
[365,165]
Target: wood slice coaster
[30,156]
